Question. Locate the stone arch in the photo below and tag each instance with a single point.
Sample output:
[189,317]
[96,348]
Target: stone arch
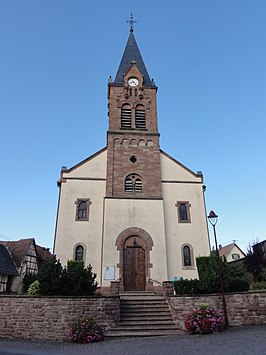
[122,102]
[117,141]
[147,244]
[142,143]
[84,250]
[142,103]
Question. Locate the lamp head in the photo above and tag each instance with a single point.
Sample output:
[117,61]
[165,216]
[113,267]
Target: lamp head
[213,218]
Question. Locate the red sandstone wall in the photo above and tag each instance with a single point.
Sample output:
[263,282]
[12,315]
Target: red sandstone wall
[242,308]
[51,317]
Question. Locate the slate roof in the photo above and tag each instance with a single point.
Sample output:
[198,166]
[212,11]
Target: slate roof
[131,53]
[7,265]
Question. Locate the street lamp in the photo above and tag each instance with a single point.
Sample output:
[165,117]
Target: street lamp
[213,219]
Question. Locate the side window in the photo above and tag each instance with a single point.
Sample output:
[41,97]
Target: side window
[235,256]
[183,211]
[133,183]
[140,117]
[82,209]
[187,256]
[79,253]
[126,116]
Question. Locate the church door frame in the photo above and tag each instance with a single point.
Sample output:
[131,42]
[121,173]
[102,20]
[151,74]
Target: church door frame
[146,245]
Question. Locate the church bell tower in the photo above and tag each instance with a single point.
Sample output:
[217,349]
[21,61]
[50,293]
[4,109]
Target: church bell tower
[133,153]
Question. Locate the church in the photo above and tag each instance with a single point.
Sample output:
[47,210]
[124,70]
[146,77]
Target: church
[130,210]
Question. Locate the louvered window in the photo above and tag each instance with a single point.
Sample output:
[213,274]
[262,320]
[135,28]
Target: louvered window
[138,185]
[133,183]
[128,185]
[140,117]
[126,117]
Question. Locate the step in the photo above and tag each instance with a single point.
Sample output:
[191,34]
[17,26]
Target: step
[141,327]
[149,333]
[146,311]
[148,322]
[141,298]
[134,317]
[143,303]
[138,293]
[144,306]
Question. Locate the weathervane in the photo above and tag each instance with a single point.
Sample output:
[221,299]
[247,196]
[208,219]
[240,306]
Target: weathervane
[131,21]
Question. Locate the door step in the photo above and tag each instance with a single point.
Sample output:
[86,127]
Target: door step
[143,314]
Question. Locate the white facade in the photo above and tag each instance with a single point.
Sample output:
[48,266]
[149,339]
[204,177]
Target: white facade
[109,217]
[130,210]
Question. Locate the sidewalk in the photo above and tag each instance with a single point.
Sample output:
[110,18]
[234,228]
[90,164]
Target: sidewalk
[244,341]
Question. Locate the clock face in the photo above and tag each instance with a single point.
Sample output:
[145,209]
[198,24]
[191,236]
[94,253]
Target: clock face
[133,82]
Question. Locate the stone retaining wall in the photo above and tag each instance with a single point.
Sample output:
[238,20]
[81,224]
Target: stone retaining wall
[245,308]
[51,317]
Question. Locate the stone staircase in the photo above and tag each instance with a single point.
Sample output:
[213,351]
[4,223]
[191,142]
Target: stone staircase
[143,314]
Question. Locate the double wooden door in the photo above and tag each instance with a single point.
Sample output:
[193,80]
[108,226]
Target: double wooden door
[134,265]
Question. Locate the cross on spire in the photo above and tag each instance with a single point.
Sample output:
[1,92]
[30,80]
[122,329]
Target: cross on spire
[131,22]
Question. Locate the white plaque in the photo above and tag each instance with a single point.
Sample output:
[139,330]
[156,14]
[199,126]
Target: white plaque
[109,272]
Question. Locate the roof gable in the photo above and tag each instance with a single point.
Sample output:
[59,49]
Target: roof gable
[92,167]
[173,170]
[227,249]
[18,249]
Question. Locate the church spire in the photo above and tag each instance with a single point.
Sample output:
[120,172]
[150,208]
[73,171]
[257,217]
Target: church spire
[132,53]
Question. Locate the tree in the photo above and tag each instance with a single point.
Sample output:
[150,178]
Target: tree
[50,277]
[78,280]
[72,280]
[255,261]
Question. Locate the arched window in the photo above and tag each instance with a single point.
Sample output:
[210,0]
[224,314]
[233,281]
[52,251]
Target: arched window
[79,253]
[187,256]
[126,116]
[133,183]
[140,117]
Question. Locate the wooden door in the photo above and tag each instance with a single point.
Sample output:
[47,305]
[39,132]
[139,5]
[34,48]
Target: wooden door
[134,266]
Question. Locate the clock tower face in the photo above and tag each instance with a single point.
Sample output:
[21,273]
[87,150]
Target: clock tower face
[133,82]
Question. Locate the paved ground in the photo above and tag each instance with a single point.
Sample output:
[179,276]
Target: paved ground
[244,341]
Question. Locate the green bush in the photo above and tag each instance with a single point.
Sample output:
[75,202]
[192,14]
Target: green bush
[50,278]
[187,287]
[34,288]
[235,279]
[77,280]
[28,280]
[255,261]
[72,280]
[259,286]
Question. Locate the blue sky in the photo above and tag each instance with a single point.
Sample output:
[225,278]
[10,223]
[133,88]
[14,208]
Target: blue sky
[208,59]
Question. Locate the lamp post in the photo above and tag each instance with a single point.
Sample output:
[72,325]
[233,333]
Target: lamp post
[213,219]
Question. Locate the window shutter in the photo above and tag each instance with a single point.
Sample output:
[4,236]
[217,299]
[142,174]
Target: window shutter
[126,117]
[140,118]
